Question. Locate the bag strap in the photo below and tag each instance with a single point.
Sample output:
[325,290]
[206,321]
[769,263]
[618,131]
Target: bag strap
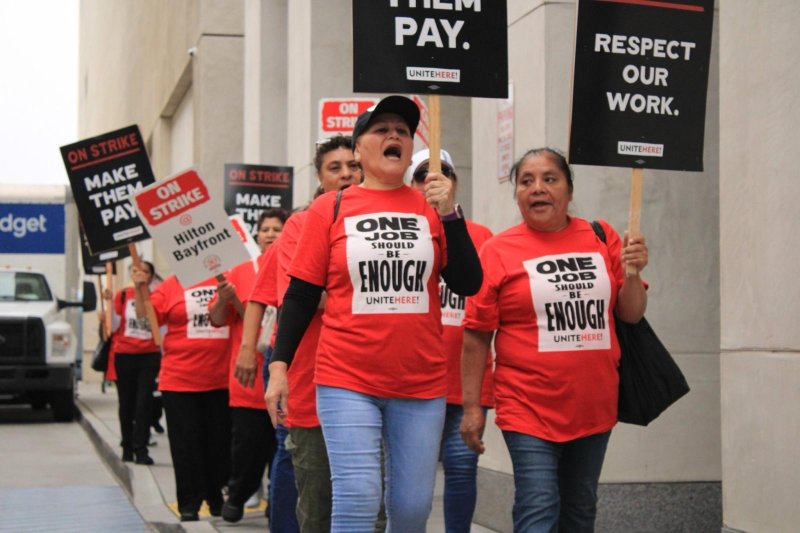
[598,229]
[336,205]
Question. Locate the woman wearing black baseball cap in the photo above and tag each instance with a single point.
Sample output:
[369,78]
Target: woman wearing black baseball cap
[377,250]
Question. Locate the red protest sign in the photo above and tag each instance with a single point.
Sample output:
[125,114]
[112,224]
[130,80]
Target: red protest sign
[172,198]
[338,115]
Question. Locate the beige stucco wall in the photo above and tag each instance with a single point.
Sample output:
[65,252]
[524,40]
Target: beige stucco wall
[759,188]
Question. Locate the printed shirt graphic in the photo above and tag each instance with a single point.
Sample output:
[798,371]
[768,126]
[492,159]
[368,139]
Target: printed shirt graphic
[571,295]
[197,363]
[453,331]
[198,323]
[389,255]
[555,375]
[384,304]
[133,335]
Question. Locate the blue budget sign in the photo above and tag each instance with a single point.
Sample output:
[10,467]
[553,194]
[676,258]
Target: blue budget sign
[32,228]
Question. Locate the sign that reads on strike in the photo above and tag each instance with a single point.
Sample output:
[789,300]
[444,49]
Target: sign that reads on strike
[251,189]
[104,173]
[455,47]
[189,228]
[337,116]
[639,87]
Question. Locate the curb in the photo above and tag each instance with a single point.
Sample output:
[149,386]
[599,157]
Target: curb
[137,481]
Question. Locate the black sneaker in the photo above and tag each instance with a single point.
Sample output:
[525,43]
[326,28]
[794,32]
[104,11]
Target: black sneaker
[127,456]
[232,513]
[144,459]
[189,517]
[158,428]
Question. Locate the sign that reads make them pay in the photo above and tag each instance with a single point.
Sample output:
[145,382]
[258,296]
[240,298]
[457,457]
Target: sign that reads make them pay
[191,230]
[639,87]
[452,47]
[251,189]
[104,173]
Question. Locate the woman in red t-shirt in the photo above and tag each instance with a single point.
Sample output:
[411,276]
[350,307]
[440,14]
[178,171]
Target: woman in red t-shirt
[194,388]
[253,437]
[459,462]
[551,293]
[136,364]
[377,250]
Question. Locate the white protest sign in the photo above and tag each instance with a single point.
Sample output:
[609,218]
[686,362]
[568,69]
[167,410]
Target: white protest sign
[189,228]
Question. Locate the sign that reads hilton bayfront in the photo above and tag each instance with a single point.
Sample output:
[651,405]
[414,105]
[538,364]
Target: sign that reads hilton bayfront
[453,47]
[640,80]
[190,229]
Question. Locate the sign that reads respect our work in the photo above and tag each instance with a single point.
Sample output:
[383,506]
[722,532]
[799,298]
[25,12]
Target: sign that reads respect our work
[640,80]
[104,173]
[189,228]
[453,47]
[251,189]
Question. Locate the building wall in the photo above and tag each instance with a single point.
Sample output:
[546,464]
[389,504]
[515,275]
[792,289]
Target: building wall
[759,113]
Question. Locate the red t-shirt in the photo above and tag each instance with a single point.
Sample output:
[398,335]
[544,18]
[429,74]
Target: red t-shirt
[302,391]
[453,331]
[195,354]
[379,263]
[242,277]
[130,336]
[550,298]
[263,288]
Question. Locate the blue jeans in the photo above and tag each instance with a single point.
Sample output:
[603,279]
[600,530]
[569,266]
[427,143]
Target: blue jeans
[555,482]
[282,489]
[353,424]
[460,470]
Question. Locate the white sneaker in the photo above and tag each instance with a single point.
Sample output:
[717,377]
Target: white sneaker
[254,501]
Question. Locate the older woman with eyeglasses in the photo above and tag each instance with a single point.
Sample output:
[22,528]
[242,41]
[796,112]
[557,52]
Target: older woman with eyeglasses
[459,462]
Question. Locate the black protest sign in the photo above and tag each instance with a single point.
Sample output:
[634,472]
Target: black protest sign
[251,189]
[104,172]
[96,264]
[639,87]
[455,47]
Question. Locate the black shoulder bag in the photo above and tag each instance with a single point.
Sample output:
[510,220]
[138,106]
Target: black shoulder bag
[101,351]
[649,379]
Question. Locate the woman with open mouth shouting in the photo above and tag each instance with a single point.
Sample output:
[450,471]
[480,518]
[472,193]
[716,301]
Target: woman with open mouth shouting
[377,250]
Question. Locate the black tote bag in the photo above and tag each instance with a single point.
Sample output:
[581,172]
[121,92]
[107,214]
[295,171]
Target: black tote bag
[649,379]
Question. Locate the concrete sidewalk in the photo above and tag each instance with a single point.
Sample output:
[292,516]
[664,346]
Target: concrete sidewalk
[152,488]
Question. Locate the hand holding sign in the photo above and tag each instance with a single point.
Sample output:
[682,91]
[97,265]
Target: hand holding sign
[439,193]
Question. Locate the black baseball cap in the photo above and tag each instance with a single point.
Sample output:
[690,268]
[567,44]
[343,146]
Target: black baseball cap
[399,105]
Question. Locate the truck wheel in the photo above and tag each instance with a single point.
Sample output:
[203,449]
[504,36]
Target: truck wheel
[63,404]
[38,400]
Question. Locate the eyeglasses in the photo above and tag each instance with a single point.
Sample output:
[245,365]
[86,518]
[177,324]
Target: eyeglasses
[422,173]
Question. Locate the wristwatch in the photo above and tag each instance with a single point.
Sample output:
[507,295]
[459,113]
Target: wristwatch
[457,214]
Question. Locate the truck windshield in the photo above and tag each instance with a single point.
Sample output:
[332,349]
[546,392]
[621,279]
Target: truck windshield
[24,286]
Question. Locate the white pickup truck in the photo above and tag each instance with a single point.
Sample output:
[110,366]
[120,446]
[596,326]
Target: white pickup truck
[38,348]
[40,340]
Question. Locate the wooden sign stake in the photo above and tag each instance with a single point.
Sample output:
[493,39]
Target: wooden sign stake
[108,309]
[435,139]
[148,305]
[634,211]
[104,327]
